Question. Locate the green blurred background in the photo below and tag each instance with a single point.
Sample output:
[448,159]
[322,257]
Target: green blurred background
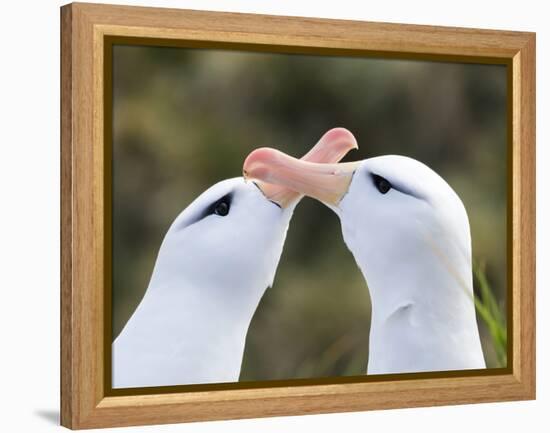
[184,119]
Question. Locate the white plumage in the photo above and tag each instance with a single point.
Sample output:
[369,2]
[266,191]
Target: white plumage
[413,246]
[210,274]
[410,236]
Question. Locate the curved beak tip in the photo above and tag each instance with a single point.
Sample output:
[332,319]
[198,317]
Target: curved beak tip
[257,164]
[343,136]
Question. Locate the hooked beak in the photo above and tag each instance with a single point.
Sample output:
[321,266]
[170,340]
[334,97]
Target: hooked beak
[325,182]
[331,148]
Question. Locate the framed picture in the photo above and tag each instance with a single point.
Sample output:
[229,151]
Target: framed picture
[210,273]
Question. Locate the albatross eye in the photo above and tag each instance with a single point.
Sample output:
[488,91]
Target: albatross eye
[381,184]
[222,208]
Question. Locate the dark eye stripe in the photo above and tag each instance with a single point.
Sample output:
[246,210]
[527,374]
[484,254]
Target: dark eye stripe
[381,184]
[220,207]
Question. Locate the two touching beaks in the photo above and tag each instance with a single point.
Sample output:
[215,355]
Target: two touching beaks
[284,179]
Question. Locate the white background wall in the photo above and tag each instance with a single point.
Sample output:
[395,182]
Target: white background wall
[29,219]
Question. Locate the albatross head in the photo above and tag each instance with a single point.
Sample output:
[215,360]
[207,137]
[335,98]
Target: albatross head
[230,238]
[214,246]
[391,207]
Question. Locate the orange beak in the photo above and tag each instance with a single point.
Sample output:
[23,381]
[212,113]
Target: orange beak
[275,173]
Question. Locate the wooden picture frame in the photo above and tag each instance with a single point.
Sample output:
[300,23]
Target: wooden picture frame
[86,32]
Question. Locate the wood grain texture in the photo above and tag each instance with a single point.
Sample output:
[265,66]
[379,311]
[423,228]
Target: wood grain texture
[84,403]
[525,248]
[67,393]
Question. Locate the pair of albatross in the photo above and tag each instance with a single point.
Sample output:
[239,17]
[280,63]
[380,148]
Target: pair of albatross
[405,226]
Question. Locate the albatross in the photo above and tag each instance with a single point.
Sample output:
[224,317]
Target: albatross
[409,234]
[217,259]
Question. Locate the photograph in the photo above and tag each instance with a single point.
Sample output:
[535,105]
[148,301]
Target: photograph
[282,216]
[266,215]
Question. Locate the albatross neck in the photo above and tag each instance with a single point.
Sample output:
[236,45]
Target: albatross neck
[423,314]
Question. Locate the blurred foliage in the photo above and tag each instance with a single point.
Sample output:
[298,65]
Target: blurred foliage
[184,119]
[492,314]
